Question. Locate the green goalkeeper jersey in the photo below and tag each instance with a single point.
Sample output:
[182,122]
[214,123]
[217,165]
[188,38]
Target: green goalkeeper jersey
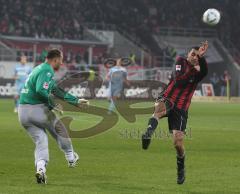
[40,86]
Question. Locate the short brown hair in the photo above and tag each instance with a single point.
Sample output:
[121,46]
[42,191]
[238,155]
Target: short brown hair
[54,53]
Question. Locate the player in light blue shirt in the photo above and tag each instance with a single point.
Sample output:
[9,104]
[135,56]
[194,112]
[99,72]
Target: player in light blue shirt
[117,76]
[21,73]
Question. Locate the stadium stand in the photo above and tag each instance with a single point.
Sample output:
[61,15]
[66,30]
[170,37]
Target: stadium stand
[137,19]
[139,16]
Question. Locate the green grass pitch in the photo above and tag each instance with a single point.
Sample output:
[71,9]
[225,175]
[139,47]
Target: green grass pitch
[112,163]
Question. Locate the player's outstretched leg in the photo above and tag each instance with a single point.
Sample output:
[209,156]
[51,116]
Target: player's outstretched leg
[159,112]
[178,143]
[146,137]
[60,134]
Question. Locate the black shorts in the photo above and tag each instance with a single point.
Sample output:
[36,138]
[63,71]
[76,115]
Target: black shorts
[177,118]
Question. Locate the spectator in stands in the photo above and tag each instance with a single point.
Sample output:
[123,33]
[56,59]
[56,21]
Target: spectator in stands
[215,81]
[86,56]
[26,18]
[136,18]
[225,83]
[69,56]
[71,66]
[132,57]
[78,58]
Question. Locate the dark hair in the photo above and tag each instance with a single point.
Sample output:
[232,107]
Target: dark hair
[195,48]
[54,53]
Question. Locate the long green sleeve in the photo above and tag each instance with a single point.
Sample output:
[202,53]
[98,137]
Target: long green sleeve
[60,93]
[40,88]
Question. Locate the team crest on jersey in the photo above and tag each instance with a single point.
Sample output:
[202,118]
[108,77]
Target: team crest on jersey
[45,85]
[178,67]
[49,74]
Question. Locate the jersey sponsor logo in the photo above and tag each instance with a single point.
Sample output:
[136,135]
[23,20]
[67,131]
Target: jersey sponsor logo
[178,67]
[45,85]
[49,74]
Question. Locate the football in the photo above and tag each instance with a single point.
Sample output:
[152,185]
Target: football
[211,16]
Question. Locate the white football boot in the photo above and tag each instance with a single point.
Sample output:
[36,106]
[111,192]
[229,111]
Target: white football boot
[41,177]
[73,163]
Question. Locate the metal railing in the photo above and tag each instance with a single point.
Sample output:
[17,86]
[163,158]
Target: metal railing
[194,32]
[10,53]
[100,26]
[51,40]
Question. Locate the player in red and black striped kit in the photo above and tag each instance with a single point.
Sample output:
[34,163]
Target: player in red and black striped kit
[175,101]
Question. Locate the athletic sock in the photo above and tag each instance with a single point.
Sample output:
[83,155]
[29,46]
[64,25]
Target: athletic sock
[69,156]
[41,165]
[152,125]
[180,162]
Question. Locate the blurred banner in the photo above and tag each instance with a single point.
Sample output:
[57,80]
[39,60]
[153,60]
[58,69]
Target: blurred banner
[147,89]
[97,89]
[7,88]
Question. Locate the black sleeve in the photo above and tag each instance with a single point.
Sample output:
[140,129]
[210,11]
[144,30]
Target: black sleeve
[203,70]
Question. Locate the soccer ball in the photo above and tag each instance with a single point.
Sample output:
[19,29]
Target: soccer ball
[211,17]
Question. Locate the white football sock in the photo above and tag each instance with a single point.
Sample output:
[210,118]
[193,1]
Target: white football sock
[41,164]
[69,156]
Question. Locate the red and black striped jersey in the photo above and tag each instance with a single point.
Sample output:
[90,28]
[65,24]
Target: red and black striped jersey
[183,82]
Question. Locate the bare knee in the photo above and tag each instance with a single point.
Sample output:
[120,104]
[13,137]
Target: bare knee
[160,110]
[178,137]
[178,144]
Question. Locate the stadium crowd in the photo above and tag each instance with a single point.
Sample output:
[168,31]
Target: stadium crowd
[66,19]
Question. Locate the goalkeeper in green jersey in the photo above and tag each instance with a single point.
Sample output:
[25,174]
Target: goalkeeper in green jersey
[36,116]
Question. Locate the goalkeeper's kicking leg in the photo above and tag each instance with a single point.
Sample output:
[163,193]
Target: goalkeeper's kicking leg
[60,134]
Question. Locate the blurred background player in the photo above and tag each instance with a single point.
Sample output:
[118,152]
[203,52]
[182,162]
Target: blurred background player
[175,101]
[35,113]
[21,73]
[117,76]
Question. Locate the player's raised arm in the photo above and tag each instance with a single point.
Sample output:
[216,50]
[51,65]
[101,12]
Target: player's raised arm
[203,69]
[202,62]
